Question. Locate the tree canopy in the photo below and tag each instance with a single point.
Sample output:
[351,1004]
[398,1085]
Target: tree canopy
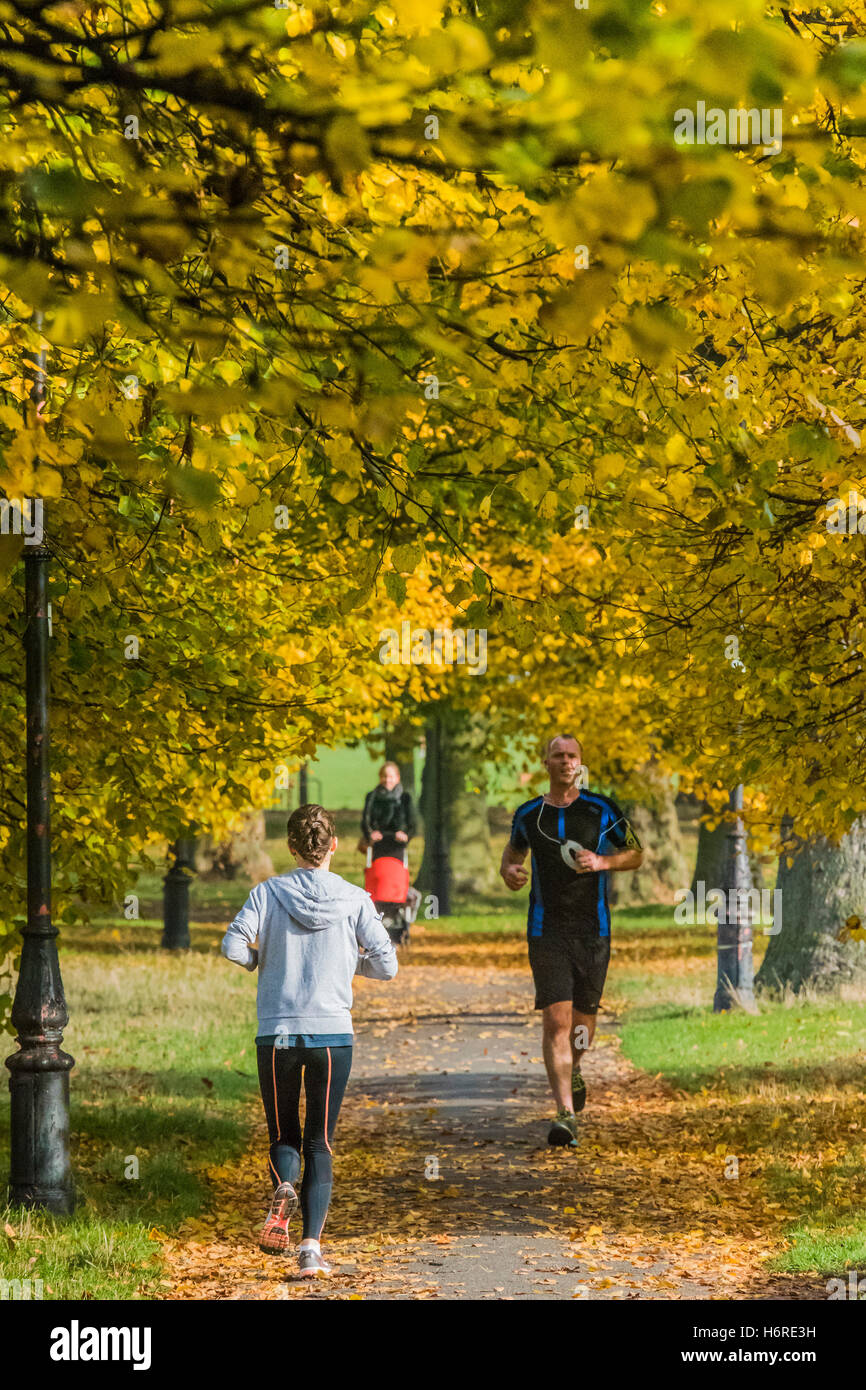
[350,310]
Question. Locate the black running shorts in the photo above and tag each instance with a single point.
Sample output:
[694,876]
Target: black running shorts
[569,966]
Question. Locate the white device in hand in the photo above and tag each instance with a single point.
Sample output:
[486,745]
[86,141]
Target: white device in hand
[570,849]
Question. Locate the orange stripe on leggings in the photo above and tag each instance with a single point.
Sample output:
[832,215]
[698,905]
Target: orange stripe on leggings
[276,1110]
[327,1098]
[276,1105]
[327,1145]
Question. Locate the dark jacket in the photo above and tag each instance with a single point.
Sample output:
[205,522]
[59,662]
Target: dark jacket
[388,812]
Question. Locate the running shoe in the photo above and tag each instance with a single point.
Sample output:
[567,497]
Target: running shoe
[563,1131]
[311,1264]
[578,1090]
[274,1239]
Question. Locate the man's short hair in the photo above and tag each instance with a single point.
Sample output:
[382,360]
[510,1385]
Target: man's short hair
[553,740]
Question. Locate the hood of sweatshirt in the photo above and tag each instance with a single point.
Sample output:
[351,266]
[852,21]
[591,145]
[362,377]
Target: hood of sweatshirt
[315,898]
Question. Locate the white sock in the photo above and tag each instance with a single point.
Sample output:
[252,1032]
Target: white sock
[309,1244]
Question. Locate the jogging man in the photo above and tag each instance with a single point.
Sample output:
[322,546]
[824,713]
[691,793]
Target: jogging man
[576,838]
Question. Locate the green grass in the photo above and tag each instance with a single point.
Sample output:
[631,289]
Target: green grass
[832,1237]
[165,1068]
[829,1251]
[483,912]
[784,1088]
[81,1257]
[218,900]
[805,1044]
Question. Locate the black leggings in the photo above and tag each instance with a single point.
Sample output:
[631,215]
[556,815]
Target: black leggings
[326,1071]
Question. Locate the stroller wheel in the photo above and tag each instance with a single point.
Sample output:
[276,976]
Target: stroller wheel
[398,932]
[395,921]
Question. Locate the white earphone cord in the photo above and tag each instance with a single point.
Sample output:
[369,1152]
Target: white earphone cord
[556,840]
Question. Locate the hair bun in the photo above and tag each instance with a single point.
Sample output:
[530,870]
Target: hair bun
[310,831]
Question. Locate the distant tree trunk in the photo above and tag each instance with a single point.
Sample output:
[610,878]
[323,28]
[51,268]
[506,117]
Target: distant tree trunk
[400,744]
[465,808]
[434,875]
[175,895]
[824,885]
[712,849]
[664,868]
[242,852]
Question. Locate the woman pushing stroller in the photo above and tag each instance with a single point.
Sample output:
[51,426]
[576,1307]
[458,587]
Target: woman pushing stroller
[388,820]
[387,825]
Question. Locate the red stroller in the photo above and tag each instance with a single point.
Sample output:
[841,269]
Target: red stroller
[387,881]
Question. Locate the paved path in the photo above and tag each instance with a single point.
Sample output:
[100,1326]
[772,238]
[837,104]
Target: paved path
[445,1186]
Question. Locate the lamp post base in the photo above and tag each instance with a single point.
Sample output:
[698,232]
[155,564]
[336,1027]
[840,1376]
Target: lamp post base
[39,1115]
[735,972]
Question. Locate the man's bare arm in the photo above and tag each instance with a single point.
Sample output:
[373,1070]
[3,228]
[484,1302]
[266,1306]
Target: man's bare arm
[624,859]
[511,855]
[511,870]
[587,862]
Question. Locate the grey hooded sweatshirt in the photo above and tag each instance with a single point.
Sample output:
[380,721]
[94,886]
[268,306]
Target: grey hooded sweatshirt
[309,925]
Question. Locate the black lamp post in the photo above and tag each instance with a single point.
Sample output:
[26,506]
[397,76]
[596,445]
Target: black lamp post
[175,897]
[39,1071]
[735,969]
[303,785]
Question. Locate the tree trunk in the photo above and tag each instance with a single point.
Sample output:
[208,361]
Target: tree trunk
[243,852]
[664,869]
[712,849]
[465,809]
[400,749]
[824,885]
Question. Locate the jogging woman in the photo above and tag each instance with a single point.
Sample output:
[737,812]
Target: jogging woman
[303,931]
